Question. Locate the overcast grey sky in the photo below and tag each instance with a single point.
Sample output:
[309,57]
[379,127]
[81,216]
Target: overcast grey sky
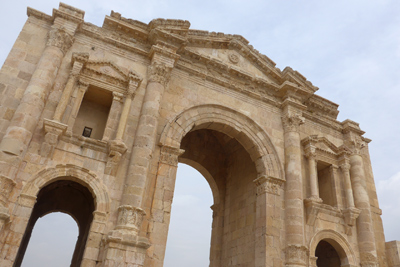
[349,49]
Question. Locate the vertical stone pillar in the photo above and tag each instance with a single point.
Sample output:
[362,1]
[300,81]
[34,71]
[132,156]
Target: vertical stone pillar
[117,147]
[296,252]
[162,202]
[81,90]
[217,231]
[78,60]
[365,233]
[310,152]
[142,153]
[113,115]
[27,115]
[268,248]
[336,186]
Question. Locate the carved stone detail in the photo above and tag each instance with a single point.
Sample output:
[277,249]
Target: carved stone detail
[269,185]
[234,58]
[296,255]
[292,122]
[356,145]
[350,216]
[6,186]
[60,38]
[117,149]
[159,73]
[368,260]
[169,155]
[54,130]
[130,218]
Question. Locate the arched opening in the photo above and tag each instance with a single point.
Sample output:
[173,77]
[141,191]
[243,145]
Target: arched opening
[189,233]
[327,255]
[230,172]
[62,196]
[48,245]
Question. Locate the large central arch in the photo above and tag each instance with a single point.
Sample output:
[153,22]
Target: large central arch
[229,127]
[232,123]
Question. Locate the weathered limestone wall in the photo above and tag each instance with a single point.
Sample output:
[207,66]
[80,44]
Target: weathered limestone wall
[393,253]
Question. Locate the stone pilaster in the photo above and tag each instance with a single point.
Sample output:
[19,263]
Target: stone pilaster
[268,247]
[162,202]
[113,116]
[310,152]
[294,208]
[216,235]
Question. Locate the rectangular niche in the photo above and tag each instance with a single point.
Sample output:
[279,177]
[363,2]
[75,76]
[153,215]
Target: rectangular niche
[93,112]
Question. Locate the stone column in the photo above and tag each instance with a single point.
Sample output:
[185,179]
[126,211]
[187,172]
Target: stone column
[268,247]
[310,152]
[217,232]
[336,186]
[81,90]
[26,117]
[142,153]
[365,232]
[117,147]
[296,252]
[113,115]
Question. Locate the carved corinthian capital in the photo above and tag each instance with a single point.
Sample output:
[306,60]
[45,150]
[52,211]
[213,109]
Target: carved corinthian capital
[356,145]
[292,122]
[159,73]
[60,38]
[269,185]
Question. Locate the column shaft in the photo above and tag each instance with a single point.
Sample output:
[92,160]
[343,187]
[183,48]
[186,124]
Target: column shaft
[313,177]
[366,238]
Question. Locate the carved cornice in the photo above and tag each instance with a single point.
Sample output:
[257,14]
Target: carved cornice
[159,73]
[268,184]
[60,38]
[322,107]
[296,255]
[169,155]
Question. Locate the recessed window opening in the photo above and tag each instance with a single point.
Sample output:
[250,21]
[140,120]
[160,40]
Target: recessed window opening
[52,242]
[93,113]
[189,234]
[325,183]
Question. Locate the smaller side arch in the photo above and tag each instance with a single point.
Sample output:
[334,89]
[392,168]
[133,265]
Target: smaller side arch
[340,244]
[74,173]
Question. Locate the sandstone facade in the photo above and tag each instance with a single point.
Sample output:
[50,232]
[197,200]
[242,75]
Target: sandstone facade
[93,122]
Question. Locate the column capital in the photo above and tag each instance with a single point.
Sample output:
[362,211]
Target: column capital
[309,144]
[129,218]
[134,82]
[268,184]
[83,86]
[60,38]
[292,122]
[159,72]
[356,145]
[169,155]
[117,96]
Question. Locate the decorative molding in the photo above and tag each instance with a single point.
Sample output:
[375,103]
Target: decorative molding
[169,155]
[60,38]
[314,207]
[268,184]
[296,255]
[53,130]
[234,58]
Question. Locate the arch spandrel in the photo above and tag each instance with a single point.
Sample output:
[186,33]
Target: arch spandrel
[73,173]
[340,244]
[232,123]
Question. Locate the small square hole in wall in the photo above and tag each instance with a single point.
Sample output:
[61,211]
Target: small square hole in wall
[87,132]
